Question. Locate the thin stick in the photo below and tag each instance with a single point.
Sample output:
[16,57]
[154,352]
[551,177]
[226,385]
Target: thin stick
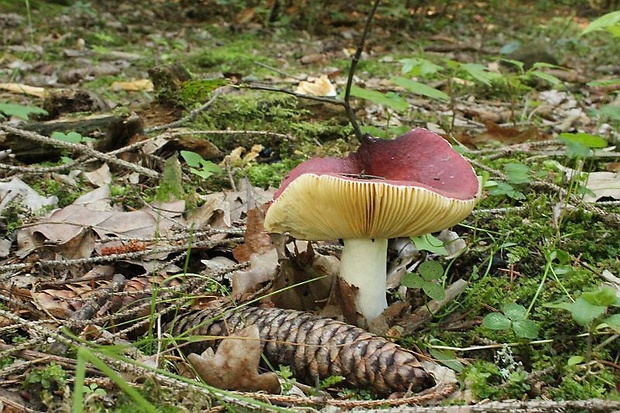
[77,147]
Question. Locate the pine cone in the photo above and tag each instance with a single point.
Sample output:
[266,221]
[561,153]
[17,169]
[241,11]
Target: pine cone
[315,348]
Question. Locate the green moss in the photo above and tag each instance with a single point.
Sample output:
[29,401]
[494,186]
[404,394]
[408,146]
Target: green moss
[237,54]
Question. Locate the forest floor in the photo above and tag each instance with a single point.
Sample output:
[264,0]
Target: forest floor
[140,144]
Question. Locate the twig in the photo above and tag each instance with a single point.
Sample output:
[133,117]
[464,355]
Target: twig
[76,147]
[354,61]
[191,116]
[323,99]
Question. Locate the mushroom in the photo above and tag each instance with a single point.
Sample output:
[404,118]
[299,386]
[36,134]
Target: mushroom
[409,186]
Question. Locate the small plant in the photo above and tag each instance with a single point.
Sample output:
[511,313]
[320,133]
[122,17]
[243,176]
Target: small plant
[609,22]
[591,309]
[427,277]
[20,111]
[514,317]
[47,378]
[71,137]
[199,166]
[288,380]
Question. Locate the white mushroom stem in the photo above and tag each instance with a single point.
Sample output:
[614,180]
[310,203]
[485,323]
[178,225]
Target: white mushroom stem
[363,265]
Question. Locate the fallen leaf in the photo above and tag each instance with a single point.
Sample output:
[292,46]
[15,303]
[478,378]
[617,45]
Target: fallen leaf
[99,177]
[256,239]
[17,191]
[317,87]
[134,86]
[235,364]
[262,269]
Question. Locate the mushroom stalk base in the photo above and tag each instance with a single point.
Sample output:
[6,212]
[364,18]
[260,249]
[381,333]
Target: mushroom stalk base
[363,265]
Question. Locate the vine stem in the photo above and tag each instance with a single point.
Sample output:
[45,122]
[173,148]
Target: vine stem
[354,62]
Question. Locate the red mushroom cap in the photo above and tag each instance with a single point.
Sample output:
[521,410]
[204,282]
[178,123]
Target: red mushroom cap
[407,186]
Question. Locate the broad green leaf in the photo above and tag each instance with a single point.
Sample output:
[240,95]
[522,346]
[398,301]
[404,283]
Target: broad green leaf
[420,88]
[447,358]
[525,329]
[613,322]
[574,360]
[496,321]
[435,291]
[480,73]
[604,296]
[502,188]
[429,243]
[20,111]
[411,280]
[585,312]
[609,112]
[591,141]
[71,137]
[514,311]
[430,270]
[419,67]
[576,150]
[191,158]
[517,173]
[374,131]
[390,99]
[609,22]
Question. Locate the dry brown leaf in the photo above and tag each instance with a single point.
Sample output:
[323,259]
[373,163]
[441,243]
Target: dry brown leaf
[262,269]
[67,223]
[305,279]
[99,177]
[235,364]
[256,239]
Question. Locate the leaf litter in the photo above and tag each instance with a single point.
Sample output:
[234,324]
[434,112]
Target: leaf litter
[93,264]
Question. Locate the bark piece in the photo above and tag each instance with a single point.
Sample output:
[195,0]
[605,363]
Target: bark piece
[315,348]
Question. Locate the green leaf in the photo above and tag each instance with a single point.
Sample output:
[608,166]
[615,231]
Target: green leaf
[435,291]
[585,312]
[480,73]
[191,158]
[496,321]
[421,89]
[71,137]
[589,140]
[430,270]
[525,329]
[606,82]
[419,67]
[574,360]
[514,311]
[613,322]
[411,280]
[447,358]
[502,188]
[517,173]
[429,243]
[608,22]
[20,111]
[390,99]
[604,296]
[546,77]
